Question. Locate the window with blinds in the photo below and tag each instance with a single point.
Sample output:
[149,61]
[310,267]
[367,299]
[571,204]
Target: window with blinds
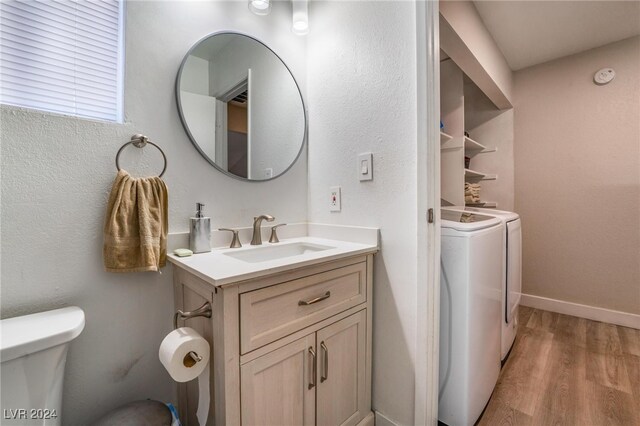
[63,56]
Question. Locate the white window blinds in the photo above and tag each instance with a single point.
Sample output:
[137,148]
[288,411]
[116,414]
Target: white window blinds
[62,56]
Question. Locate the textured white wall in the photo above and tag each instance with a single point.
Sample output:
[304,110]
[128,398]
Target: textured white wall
[56,175]
[577,170]
[362,97]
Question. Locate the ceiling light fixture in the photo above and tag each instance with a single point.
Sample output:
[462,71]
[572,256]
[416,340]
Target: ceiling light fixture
[300,23]
[260,7]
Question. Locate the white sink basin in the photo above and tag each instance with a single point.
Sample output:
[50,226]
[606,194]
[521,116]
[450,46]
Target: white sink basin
[275,251]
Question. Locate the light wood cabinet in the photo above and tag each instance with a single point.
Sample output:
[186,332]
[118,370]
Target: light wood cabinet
[273,312]
[279,388]
[321,376]
[342,371]
[292,348]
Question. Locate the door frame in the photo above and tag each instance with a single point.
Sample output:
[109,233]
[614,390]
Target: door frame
[428,197]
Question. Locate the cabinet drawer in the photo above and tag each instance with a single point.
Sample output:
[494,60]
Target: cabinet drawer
[274,312]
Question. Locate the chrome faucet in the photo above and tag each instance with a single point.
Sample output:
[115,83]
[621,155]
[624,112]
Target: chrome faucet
[257,223]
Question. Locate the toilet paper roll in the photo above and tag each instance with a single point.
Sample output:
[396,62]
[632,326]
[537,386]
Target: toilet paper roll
[185,355]
[204,398]
[177,353]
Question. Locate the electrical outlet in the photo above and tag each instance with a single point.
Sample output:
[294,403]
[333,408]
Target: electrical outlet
[335,199]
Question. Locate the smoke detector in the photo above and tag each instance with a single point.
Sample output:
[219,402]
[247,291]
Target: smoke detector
[604,76]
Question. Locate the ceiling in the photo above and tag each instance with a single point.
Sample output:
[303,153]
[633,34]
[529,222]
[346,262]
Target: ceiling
[209,48]
[533,32]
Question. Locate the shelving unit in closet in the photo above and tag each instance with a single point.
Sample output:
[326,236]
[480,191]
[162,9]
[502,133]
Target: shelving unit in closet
[471,149]
[455,144]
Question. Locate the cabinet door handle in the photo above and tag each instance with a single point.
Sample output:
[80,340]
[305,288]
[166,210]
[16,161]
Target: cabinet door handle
[314,368]
[316,300]
[325,366]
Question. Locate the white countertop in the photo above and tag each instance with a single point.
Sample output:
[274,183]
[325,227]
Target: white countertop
[219,269]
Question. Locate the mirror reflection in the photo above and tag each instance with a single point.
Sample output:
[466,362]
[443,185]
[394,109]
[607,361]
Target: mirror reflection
[241,106]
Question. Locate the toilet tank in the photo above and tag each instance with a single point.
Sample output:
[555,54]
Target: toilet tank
[33,352]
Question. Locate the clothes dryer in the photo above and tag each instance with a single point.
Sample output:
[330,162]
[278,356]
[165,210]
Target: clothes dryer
[512,275]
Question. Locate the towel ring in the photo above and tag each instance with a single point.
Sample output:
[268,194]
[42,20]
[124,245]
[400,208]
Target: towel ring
[140,141]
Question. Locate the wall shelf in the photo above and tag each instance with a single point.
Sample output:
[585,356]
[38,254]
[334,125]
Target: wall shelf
[485,204]
[468,173]
[475,175]
[472,146]
[487,151]
[444,138]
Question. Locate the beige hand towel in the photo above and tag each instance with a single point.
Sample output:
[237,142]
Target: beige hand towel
[135,229]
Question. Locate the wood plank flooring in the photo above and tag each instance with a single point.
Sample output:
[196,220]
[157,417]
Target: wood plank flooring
[569,371]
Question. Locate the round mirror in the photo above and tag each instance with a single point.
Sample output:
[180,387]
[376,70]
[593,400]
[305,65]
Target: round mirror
[241,106]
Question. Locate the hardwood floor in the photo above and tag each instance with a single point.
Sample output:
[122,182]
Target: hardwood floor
[570,371]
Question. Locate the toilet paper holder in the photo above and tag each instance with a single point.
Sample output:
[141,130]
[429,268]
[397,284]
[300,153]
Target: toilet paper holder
[202,311]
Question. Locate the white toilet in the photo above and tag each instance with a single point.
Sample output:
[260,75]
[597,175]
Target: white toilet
[33,352]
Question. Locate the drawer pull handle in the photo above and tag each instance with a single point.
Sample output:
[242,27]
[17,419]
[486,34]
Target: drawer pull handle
[314,368]
[325,366]
[316,300]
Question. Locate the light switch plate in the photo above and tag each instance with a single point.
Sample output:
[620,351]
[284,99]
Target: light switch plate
[335,199]
[365,166]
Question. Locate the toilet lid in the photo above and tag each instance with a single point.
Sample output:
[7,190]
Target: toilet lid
[28,334]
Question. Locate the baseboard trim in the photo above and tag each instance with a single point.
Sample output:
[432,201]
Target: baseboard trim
[583,311]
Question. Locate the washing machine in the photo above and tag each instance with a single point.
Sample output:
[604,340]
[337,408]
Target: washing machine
[512,275]
[470,314]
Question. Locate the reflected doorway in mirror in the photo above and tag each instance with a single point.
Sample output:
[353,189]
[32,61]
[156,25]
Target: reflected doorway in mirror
[241,106]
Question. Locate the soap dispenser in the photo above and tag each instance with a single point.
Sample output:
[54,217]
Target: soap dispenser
[200,232]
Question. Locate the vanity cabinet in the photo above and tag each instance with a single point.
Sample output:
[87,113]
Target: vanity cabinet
[320,376]
[290,348]
[276,388]
[341,374]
